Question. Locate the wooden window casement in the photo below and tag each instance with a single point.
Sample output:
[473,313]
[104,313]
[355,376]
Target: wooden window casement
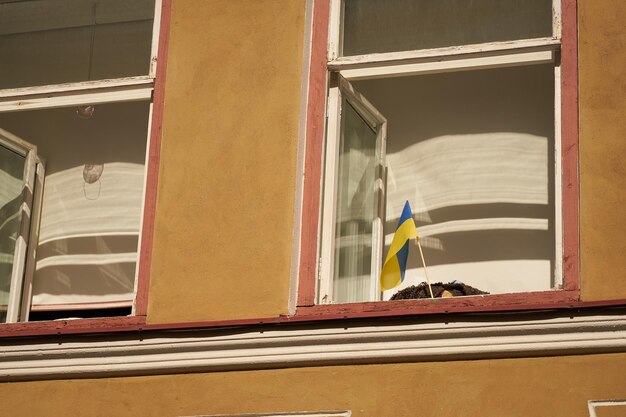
[81,91]
[467,111]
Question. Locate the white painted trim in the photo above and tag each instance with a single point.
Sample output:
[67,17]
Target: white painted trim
[314,345]
[558,183]
[439,54]
[378,123]
[334,29]
[458,64]
[593,404]
[15,292]
[370,113]
[29,152]
[556,19]
[156,32]
[77,99]
[31,255]
[329,201]
[16,144]
[79,86]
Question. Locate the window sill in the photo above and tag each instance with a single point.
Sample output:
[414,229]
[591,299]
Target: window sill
[467,304]
[76,326]
[548,300]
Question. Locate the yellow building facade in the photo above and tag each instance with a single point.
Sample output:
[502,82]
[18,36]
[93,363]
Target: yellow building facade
[222,332]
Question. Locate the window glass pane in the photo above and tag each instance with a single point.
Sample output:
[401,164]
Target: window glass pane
[11,183]
[92,199]
[473,152]
[399,25]
[356,207]
[57,41]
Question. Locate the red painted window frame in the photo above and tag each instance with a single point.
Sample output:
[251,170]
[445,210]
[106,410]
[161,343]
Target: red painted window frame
[315,132]
[138,320]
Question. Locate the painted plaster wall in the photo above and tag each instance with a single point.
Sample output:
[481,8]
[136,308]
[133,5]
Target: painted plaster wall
[224,221]
[223,239]
[602,56]
[554,386]
[617,410]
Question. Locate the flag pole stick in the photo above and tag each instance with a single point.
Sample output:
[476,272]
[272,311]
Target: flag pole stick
[417,242]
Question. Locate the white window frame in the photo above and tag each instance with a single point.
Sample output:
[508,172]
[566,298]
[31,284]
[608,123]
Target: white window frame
[342,88]
[104,91]
[429,61]
[29,210]
[594,405]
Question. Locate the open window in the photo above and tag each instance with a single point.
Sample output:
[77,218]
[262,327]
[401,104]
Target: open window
[76,87]
[471,137]
[352,248]
[21,173]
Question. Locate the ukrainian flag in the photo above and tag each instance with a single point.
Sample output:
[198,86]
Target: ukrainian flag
[395,263]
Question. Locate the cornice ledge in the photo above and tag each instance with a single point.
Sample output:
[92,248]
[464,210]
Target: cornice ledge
[312,345]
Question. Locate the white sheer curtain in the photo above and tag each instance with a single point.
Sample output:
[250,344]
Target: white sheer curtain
[356,208]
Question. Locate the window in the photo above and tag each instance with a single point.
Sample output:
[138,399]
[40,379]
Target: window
[456,107]
[76,85]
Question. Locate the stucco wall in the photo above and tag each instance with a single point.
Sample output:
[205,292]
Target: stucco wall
[602,55]
[555,387]
[223,234]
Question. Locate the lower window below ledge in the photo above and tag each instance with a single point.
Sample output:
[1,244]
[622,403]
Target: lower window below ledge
[79,314]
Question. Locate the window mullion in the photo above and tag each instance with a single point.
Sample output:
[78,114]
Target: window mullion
[21,242]
[327,250]
[97,95]
[54,89]
[556,19]
[335,29]
[448,53]
[29,271]
[156,28]
[449,65]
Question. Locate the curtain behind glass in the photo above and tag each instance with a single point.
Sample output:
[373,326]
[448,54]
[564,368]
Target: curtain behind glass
[92,199]
[11,183]
[356,208]
[59,41]
[371,26]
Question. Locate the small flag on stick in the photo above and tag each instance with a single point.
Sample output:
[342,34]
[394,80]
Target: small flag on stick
[394,267]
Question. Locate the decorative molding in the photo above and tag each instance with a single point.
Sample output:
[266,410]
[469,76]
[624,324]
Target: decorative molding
[342,343]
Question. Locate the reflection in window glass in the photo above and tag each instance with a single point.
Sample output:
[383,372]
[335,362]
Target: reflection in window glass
[356,208]
[11,183]
[58,41]
[371,26]
[92,199]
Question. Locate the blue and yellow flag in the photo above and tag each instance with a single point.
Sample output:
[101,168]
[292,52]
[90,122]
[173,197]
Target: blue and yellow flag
[395,263]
